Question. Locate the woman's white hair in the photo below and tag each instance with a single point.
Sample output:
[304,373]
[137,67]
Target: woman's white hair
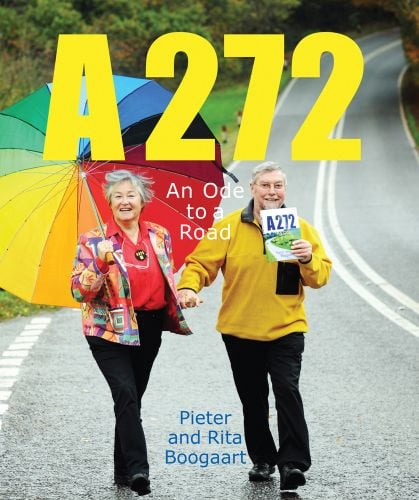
[140,182]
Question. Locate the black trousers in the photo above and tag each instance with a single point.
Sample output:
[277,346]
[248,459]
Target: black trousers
[127,371]
[251,362]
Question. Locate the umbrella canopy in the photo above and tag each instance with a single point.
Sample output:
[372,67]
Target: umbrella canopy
[46,205]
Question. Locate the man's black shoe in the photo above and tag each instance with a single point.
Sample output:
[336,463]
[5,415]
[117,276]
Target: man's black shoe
[261,472]
[121,479]
[291,477]
[140,483]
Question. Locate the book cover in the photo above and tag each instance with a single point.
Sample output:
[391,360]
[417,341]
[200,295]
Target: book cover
[280,228]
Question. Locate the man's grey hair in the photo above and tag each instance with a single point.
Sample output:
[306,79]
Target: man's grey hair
[267,166]
[141,183]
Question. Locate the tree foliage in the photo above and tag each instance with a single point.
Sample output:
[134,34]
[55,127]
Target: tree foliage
[29,30]
[407,13]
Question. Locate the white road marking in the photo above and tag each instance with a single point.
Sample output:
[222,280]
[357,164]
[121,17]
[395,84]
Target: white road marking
[350,251]
[11,361]
[42,320]
[23,345]
[13,357]
[15,354]
[31,332]
[363,267]
[282,96]
[28,338]
[5,395]
[9,372]
[6,383]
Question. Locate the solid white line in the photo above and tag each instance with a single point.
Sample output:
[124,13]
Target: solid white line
[350,251]
[347,247]
[369,297]
[283,95]
[340,269]
[403,115]
[380,50]
[342,272]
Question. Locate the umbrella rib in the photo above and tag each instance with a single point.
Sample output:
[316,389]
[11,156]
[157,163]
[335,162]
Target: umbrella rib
[95,167]
[33,186]
[62,205]
[95,164]
[41,202]
[135,90]
[119,103]
[23,121]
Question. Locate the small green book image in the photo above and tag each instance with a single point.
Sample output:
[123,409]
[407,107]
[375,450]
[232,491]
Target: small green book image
[280,228]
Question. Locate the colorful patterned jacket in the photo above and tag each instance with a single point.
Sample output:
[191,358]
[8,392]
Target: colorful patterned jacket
[102,295]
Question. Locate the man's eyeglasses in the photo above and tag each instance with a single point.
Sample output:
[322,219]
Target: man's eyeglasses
[266,186]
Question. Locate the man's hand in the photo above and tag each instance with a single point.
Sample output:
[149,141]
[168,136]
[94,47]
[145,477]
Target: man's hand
[303,250]
[188,298]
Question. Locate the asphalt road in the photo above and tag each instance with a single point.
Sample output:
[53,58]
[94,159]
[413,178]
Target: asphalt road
[360,371]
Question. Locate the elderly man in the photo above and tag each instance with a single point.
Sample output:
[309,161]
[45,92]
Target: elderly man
[262,321]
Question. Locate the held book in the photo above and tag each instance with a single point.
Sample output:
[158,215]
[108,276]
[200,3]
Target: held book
[280,227]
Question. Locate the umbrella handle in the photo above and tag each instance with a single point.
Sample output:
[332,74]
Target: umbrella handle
[109,258]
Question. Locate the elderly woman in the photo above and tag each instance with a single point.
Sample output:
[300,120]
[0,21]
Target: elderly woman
[126,303]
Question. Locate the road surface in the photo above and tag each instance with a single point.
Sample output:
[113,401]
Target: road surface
[360,370]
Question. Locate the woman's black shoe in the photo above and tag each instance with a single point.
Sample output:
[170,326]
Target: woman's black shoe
[140,483]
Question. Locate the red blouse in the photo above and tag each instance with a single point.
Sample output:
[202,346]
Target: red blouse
[146,279]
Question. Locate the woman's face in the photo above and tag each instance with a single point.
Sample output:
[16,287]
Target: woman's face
[126,202]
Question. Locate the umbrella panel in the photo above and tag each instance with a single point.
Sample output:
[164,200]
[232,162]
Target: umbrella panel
[45,212]
[174,193]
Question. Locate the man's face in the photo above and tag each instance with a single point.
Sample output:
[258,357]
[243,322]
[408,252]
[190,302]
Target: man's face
[268,191]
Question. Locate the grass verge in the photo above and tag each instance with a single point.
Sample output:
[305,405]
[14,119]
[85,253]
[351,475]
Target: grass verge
[11,306]
[221,109]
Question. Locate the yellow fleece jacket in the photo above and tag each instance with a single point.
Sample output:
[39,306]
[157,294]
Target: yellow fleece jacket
[261,300]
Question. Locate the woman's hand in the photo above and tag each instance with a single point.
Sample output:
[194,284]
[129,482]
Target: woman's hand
[188,298]
[104,247]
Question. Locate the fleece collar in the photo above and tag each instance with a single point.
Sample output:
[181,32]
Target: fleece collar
[247,213]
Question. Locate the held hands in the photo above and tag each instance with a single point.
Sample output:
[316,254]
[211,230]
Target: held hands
[104,247]
[303,250]
[188,298]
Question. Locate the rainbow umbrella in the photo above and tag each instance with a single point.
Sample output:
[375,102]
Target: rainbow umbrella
[46,205]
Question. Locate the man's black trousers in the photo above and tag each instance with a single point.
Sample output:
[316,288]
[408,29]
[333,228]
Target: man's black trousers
[127,371]
[251,362]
